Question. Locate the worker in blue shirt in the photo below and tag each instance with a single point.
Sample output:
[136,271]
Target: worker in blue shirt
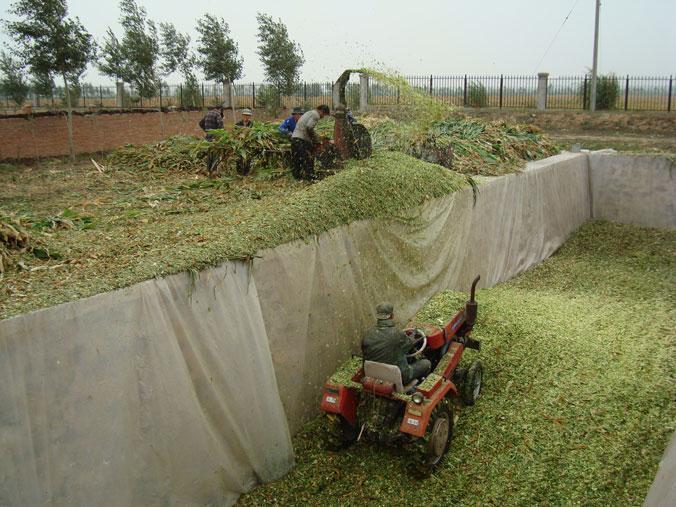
[288,126]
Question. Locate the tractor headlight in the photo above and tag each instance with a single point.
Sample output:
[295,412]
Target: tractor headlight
[417,398]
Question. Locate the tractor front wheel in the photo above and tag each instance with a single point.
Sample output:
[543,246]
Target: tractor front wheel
[473,383]
[430,449]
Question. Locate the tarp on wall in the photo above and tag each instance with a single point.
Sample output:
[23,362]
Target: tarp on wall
[160,394]
[318,296]
[634,189]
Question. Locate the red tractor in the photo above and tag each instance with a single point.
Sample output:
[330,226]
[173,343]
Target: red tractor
[365,399]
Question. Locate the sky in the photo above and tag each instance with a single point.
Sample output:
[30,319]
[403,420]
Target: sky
[425,37]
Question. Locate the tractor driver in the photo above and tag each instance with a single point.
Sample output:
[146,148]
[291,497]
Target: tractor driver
[384,343]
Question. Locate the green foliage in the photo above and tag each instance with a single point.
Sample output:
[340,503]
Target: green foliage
[267,96]
[42,84]
[139,49]
[282,58]
[258,147]
[48,41]
[190,97]
[218,52]
[112,58]
[607,92]
[476,95]
[12,80]
[478,147]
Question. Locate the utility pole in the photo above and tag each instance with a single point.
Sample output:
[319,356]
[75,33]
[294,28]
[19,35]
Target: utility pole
[592,95]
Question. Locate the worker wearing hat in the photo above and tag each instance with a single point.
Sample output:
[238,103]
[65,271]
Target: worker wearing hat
[303,142]
[384,343]
[289,125]
[246,119]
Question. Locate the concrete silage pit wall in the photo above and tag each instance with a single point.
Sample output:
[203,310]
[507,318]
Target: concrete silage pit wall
[155,370]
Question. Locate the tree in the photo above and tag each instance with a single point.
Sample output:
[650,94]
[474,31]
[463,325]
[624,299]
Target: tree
[52,44]
[281,57]
[12,80]
[139,50]
[176,55]
[218,53]
[112,62]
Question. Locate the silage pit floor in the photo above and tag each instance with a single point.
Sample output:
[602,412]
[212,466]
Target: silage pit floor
[577,399]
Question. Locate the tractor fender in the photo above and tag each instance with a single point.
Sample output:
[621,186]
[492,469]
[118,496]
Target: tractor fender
[340,400]
[417,417]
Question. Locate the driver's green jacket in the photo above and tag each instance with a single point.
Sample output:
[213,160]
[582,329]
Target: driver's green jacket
[384,343]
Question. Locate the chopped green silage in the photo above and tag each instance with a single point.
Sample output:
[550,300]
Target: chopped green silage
[148,224]
[577,404]
[343,375]
[478,147]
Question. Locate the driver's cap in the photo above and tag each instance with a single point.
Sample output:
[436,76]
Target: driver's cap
[384,310]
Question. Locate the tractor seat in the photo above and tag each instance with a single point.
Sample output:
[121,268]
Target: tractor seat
[388,373]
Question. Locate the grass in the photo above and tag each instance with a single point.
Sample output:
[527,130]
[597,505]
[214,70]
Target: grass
[131,225]
[577,405]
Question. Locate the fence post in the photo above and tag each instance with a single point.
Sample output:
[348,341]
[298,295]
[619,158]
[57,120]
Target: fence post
[304,93]
[141,99]
[626,93]
[363,93]
[431,77]
[181,94]
[398,93]
[253,95]
[542,90]
[202,95]
[84,96]
[160,97]
[501,88]
[101,95]
[584,93]
[671,81]
[464,93]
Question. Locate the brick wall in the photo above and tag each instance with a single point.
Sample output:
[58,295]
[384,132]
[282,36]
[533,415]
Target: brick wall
[47,136]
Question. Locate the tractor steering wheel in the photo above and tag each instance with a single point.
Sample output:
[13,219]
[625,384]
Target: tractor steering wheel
[419,337]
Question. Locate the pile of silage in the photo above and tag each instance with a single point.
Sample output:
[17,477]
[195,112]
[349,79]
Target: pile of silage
[577,404]
[478,147]
[164,236]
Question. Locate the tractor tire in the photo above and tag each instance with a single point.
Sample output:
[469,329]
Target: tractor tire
[429,450]
[338,433]
[361,145]
[471,388]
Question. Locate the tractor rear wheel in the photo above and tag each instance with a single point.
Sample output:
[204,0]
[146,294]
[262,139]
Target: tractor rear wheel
[430,449]
[473,383]
[339,433]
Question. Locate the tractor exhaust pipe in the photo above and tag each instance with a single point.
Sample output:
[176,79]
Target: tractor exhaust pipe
[472,306]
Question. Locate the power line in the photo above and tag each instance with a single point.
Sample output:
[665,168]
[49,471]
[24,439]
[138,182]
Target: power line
[555,36]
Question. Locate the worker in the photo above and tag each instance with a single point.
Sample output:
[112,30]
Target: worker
[211,121]
[246,119]
[303,142]
[287,127]
[384,343]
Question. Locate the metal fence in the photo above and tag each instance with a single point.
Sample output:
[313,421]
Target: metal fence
[629,93]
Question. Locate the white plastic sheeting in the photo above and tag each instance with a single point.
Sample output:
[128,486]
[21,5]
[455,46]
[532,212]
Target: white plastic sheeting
[318,297]
[637,190]
[160,394]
